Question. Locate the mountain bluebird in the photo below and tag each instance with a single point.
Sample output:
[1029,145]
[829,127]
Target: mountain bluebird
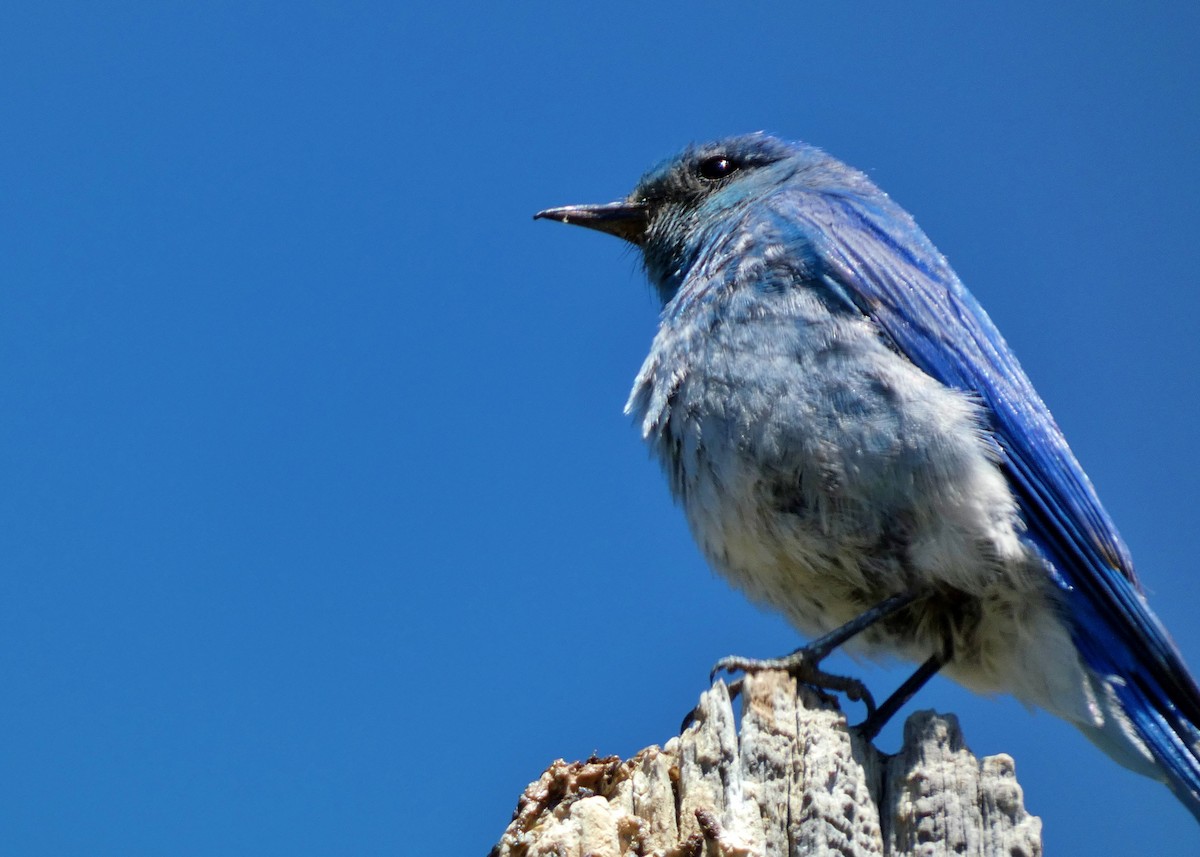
[855,446]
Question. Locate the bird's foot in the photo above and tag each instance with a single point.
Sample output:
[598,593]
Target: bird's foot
[804,666]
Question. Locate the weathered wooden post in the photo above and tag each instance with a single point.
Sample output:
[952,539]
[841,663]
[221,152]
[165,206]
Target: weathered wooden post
[794,780]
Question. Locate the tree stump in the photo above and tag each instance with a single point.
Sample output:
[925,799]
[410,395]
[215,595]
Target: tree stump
[793,781]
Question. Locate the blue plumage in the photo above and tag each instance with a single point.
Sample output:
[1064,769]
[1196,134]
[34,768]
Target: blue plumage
[842,422]
[922,306]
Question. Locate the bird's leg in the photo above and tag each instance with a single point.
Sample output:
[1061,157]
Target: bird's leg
[804,662]
[878,718]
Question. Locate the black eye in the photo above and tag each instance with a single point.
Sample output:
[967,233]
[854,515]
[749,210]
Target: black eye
[716,167]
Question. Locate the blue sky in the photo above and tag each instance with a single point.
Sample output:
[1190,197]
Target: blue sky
[323,530]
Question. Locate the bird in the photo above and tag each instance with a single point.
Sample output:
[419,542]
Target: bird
[854,445]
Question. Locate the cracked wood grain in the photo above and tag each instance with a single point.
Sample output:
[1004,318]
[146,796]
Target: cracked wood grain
[792,780]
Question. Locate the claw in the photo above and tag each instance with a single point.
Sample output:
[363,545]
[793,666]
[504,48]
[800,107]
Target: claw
[804,664]
[688,719]
[734,689]
[801,665]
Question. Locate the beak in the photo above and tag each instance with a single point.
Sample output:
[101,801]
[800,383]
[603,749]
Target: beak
[623,219]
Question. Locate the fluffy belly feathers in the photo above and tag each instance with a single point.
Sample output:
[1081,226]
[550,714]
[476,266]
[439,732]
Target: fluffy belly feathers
[848,478]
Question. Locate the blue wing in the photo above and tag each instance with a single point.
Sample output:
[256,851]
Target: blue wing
[873,252]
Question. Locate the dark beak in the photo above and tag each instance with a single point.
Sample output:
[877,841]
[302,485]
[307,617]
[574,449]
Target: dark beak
[626,220]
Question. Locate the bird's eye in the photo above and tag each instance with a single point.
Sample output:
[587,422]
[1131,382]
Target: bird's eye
[716,167]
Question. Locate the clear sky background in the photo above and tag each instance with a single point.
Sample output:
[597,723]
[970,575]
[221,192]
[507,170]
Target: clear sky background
[322,529]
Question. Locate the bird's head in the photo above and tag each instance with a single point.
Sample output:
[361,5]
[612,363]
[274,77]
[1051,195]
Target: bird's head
[680,205]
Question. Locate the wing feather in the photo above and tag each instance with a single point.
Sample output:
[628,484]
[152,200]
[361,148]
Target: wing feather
[875,253]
